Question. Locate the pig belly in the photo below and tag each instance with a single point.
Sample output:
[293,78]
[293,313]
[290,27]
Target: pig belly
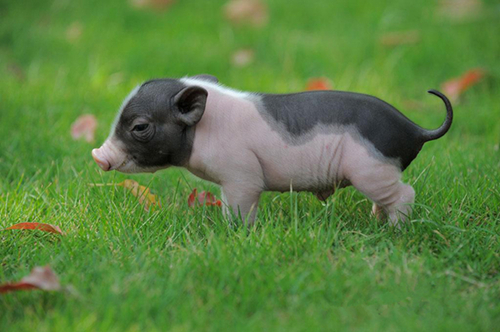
[315,165]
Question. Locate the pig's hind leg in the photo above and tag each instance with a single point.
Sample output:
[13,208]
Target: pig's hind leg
[381,183]
[324,194]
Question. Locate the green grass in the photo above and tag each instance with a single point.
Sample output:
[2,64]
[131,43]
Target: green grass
[305,265]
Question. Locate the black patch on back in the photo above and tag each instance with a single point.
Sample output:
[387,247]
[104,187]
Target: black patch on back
[393,134]
[172,142]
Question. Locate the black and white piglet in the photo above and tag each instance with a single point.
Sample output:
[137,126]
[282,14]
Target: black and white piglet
[253,142]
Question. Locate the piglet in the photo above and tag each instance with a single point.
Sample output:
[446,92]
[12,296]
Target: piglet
[253,142]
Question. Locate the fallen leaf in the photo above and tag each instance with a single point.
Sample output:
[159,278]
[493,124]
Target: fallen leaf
[74,31]
[203,198]
[456,86]
[116,79]
[152,4]
[143,193]
[84,126]
[460,10]
[400,38]
[44,21]
[243,57]
[40,278]
[16,70]
[38,226]
[246,12]
[319,83]
[413,105]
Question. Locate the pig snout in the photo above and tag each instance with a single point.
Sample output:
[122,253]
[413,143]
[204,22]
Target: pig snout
[100,159]
[108,157]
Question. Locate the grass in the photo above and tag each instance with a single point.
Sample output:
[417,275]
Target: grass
[305,265]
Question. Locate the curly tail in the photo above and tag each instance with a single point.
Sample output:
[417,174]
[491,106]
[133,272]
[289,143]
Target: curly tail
[429,135]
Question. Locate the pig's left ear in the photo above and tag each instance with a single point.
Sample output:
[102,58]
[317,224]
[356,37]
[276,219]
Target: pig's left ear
[190,103]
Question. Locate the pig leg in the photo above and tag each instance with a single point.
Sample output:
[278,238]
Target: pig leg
[378,212]
[323,195]
[402,207]
[241,201]
[383,186]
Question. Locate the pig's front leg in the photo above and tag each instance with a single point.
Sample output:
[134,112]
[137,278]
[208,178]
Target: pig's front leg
[240,200]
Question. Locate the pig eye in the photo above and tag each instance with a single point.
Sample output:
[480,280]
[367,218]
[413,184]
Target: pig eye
[140,127]
[143,132]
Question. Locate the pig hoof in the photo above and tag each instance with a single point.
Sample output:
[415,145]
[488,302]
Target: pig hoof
[378,212]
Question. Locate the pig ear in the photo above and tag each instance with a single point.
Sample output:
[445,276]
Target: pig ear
[190,102]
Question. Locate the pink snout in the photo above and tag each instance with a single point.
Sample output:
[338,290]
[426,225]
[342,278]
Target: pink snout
[100,159]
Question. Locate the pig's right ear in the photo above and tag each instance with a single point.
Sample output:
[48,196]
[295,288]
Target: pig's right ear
[190,103]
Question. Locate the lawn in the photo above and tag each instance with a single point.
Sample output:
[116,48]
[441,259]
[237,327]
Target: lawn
[305,265]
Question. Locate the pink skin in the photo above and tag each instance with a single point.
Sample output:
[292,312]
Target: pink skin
[109,156]
[237,149]
[257,159]
[103,163]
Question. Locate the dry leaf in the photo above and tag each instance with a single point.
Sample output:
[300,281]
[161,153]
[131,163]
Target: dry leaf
[116,79]
[74,31]
[455,87]
[460,10]
[413,105]
[243,57]
[16,70]
[38,226]
[143,193]
[203,198]
[251,12]
[84,126]
[40,278]
[319,83]
[152,4]
[400,38]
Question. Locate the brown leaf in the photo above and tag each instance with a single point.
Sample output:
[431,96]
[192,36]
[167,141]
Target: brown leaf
[143,193]
[460,10]
[243,57]
[456,86]
[413,105]
[16,70]
[319,83]
[84,126]
[400,38]
[40,278]
[203,198]
[246,12]
[152,4]
[74,31]
[116,79]
[38,226]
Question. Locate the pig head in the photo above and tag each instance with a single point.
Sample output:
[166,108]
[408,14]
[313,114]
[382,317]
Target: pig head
[154,128]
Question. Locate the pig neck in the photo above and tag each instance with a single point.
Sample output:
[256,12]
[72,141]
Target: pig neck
[225,113]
